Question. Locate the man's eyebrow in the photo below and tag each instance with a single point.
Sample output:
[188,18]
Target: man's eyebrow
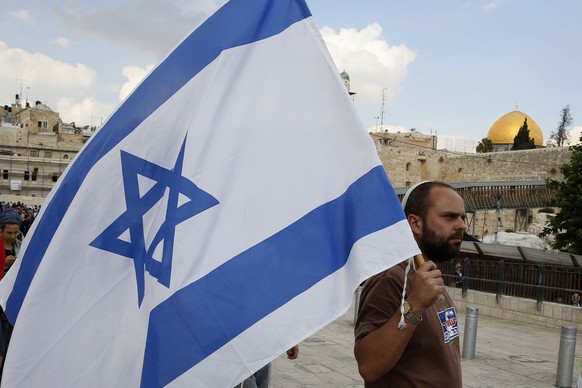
[453,213]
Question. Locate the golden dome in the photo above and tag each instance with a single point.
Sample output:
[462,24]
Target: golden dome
[503,131]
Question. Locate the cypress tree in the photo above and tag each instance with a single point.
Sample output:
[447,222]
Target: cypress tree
[522,141]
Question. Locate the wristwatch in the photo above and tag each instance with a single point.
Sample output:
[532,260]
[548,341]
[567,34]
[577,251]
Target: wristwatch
[409,315]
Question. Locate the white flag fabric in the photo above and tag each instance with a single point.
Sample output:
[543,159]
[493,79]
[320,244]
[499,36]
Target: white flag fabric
[225,212]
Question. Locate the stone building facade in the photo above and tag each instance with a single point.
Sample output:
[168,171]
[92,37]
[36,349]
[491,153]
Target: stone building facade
[35,148]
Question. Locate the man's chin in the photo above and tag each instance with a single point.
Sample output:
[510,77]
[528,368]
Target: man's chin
[439,253]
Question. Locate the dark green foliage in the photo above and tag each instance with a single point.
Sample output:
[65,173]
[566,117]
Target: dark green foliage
[522,141]
[485,145]
[566,226]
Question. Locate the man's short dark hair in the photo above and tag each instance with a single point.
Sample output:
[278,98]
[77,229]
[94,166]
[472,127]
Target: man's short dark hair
[419,200]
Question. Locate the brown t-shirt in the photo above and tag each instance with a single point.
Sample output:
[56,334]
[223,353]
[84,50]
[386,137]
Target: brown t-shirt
[432,357]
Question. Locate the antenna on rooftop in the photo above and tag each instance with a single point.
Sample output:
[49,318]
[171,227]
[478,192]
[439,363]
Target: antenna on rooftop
[22,81]
[382,111]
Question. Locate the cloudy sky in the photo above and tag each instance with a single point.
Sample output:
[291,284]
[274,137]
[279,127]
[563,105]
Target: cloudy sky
[446,67]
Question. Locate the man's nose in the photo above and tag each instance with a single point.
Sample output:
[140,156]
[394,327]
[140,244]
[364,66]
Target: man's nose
[461,225]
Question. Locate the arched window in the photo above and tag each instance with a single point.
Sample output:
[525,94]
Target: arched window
[408,166]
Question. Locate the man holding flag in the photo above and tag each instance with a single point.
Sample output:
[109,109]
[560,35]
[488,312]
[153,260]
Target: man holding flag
[407,331]
[222,215]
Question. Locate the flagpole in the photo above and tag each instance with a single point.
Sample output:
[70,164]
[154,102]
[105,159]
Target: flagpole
[418,260]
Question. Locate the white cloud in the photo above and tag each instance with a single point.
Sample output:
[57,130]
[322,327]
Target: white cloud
[369,60]
[22,15]
[491,5]
[62,41]
[48,79]
[155,26]
[87,111]
[50,76]
[134,75]
[204,7]
[51,79]
[574,135]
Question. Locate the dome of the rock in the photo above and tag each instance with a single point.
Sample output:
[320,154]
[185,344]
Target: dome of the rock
[503,131]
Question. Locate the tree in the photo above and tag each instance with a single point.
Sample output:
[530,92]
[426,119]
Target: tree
[559,137]
[522,141]
[485,145]
[566,226]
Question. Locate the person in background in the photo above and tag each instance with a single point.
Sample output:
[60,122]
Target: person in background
[10,221]
[26,224]
[262,377]
[2,262]
[10,245]
[575,299]
[557,298]
[459,275]
[2,258]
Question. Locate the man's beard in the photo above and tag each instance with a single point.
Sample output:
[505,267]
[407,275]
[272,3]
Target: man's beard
[437,248]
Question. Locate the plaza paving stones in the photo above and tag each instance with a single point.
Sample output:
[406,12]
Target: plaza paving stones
[507,354]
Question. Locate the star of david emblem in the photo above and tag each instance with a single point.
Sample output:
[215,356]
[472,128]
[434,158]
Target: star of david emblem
[166,182]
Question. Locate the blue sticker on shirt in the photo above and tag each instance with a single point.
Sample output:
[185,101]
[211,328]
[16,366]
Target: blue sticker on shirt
[448,318]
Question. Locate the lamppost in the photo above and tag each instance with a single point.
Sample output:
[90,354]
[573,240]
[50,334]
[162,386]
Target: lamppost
[497,197]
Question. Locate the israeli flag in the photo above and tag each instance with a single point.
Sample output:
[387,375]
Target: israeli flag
[225,212]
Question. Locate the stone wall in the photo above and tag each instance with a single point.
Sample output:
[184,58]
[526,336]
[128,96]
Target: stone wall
[33,160]
[526,165]
[406,164]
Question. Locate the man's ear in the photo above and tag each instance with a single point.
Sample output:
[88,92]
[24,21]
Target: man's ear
[415,223]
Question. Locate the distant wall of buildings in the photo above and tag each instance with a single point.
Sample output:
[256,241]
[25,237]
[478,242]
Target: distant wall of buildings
[34,149]
[408,163]
[526,165]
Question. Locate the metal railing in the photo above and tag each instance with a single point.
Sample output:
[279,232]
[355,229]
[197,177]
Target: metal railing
[540,282]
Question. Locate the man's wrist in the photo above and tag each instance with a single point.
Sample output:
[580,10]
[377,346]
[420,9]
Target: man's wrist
[408,314]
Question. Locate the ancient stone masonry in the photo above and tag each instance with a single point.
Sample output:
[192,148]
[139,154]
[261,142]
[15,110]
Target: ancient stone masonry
[408,164]
[35,149]
[527,165]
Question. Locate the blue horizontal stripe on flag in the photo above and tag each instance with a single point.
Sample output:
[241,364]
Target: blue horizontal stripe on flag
[237,23]
[204,316]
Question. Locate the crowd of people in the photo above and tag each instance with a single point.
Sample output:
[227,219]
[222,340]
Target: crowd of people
[27,214]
